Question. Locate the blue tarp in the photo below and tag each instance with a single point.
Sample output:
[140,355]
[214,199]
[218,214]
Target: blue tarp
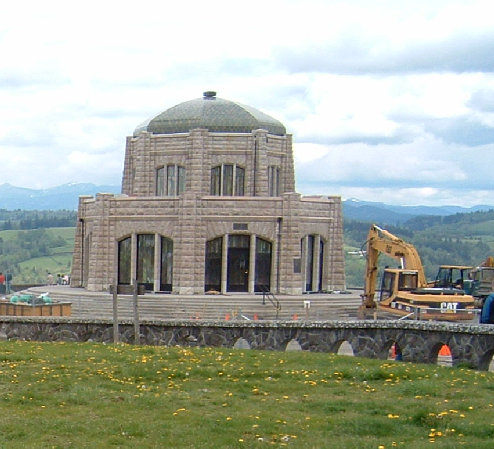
[487,315]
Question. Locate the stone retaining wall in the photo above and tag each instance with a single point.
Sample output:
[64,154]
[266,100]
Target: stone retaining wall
[416,341]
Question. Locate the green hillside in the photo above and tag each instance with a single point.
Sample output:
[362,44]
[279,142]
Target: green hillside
[29,255]
[462,239]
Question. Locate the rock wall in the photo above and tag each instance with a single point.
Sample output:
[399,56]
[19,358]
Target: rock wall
[415,341]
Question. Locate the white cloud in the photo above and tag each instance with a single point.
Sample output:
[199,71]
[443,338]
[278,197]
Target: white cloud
[390,100]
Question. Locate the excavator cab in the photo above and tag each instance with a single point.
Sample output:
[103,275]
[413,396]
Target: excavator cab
[394,280]
[451,276]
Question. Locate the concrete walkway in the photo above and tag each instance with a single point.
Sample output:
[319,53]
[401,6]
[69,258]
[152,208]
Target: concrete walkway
[151,306]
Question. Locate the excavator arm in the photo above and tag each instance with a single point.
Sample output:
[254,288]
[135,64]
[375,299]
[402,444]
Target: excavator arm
[380,241]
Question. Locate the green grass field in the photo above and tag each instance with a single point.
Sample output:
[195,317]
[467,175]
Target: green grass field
[64,395]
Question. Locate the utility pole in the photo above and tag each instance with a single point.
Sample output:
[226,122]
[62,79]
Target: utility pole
[115,314]
[137,330]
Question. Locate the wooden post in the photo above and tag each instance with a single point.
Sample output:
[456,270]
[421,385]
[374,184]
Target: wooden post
[137,330]
[115,314]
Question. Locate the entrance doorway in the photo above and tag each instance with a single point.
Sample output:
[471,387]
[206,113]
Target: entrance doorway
[238,263]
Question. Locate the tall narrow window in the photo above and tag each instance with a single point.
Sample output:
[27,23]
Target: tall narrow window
[145,260]
[239,181]
[216,181]
[227,180]
[171,182]
[180,180]
[321,265]
[124,251]
[214,251]
[274,181]
[166,264]
[313,255]
[263,265]
[309,264]
[160,181]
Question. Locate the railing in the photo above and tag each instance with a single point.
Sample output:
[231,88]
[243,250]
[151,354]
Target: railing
[267,294]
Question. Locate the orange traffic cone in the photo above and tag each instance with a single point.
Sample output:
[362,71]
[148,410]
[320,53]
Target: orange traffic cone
[445,350]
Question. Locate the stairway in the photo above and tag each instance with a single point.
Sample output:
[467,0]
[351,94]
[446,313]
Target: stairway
[90,305]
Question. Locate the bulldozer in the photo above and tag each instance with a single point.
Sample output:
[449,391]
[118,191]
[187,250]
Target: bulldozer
[481,281]
[452,276]
[404,291]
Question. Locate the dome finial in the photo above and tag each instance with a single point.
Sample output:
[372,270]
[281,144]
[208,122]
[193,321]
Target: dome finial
[209,94]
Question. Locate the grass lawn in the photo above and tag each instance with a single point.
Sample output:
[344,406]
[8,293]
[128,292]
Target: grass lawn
[64,395]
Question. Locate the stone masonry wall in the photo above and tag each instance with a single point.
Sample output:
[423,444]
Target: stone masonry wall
[470,345]
[194,216]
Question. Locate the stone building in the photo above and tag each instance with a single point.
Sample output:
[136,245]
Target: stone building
[208,204]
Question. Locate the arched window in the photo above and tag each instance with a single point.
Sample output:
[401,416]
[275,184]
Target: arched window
[153,270]
[227,180]
[170,180]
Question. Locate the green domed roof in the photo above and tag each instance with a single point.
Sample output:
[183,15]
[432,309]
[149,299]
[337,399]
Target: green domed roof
[211,113]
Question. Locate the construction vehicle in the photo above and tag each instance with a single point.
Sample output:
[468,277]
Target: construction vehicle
[451,276]
[481,281]
[404,291]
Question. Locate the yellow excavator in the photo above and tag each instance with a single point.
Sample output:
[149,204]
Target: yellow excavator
[404,291]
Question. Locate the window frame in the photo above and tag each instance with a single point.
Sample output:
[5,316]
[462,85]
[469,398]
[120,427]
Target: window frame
[227,180]
[170,180]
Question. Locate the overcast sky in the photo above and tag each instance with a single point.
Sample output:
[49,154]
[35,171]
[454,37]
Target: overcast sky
[387,101]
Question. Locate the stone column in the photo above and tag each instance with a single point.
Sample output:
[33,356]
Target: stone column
[77,274]
[127,181]
[260,187]
[335,253]
[303,255]
[288,170]
[290,270]
[157,262]
[143,170]
[252,263]
[190,248]
[224,263]
[315,261]
[100,258]
[133,257]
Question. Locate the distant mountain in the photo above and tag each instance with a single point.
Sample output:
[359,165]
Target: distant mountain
[65,196]
[389,214]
